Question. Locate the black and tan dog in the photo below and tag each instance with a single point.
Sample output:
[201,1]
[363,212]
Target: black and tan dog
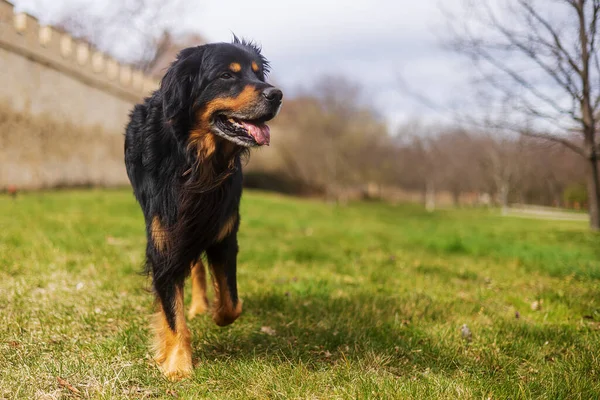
[183,151]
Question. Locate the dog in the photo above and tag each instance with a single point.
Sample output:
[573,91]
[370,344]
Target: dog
[184,147]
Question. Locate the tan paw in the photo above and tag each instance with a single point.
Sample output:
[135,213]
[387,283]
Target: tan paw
[197,307]
[177,364]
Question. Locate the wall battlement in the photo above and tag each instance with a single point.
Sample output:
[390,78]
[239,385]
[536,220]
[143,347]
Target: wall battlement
[64,107]
[22,33]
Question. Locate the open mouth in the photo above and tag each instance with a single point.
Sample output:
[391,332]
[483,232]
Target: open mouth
[245,133]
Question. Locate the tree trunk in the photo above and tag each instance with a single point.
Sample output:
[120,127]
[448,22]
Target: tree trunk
[504,197]
[588,120]
[430,196]
[593,188]
[456,198]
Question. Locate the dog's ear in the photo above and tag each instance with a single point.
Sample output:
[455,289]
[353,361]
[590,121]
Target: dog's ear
[179,84]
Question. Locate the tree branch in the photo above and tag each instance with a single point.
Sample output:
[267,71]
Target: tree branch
[553,138]
[525,4]
[521,81]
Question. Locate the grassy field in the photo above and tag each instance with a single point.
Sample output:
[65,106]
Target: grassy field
[363,301]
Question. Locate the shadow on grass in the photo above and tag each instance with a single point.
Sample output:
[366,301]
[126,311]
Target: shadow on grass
[407,339]
[317,331]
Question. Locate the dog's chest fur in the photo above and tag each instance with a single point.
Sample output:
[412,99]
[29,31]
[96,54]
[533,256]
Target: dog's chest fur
[213,214]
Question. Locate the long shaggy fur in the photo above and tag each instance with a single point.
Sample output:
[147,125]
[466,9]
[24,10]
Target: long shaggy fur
[187,180]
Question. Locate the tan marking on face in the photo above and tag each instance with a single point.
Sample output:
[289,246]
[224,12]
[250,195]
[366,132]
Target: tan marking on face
[254,66]
[235,67]
[224,312]
[172,349]
[159,234]
[199,300]
[227,228]
[246,98]
[201,138]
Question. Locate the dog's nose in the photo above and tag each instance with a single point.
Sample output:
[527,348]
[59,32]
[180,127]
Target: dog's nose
[273,94]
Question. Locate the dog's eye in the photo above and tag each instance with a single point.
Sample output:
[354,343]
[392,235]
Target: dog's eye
[226,75]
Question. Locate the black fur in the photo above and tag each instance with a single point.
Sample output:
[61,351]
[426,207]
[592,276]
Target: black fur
[175,179]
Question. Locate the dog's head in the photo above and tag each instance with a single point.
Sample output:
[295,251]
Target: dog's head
[220,89]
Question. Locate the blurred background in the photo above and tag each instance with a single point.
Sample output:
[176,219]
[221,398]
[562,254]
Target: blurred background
[454,103]
[439,165]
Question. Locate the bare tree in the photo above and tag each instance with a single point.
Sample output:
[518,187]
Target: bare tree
[541,57]
[500,159]
[547,171]
[458,164]
[134,31]
[334,140]
[424,155]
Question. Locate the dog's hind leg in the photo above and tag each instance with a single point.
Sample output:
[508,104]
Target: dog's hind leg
[199,301]
[222,260]
[172,338]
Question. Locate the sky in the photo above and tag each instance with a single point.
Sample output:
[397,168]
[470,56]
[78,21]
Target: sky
[376,43]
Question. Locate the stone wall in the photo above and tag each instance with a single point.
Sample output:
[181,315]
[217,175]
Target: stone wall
[63,107]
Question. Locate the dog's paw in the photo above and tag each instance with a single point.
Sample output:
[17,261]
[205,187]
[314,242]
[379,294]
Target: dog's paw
[226,314]
[173,354]
[176,365]
[198,307]
[175,375]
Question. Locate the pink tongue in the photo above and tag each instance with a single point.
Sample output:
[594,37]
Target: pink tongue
[261,133]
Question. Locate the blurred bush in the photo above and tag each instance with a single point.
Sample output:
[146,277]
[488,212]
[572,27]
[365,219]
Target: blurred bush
[280,183]
[575,195]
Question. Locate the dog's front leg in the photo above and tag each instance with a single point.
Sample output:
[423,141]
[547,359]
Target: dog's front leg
[172,339]
[172,347]
[222,258]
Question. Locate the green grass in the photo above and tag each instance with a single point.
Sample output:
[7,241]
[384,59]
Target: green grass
[366,301]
